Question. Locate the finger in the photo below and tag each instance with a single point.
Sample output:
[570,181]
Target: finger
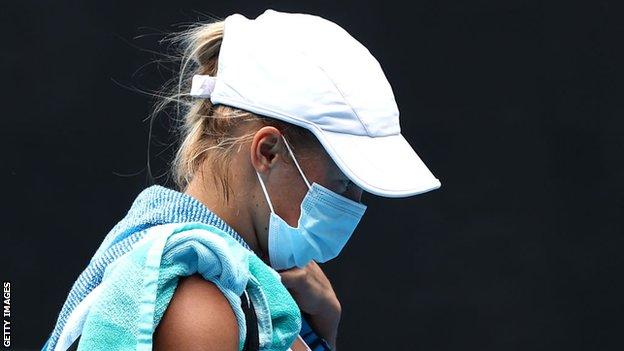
[313,266]
[294,278]
[315,272]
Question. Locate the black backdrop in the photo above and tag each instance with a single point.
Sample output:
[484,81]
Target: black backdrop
[515,106]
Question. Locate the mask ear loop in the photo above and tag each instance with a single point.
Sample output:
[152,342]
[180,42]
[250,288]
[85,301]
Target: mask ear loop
[266,194]
[296,163]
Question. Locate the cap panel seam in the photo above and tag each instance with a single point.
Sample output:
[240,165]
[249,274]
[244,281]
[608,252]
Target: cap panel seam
[337,89]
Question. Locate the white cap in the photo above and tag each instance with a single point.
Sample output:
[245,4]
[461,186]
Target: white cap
[308,71]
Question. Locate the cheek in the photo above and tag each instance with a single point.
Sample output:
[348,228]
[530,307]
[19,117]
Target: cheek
[292,209]
[321,172]
[290,194]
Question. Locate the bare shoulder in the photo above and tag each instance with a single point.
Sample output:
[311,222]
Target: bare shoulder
[198,318]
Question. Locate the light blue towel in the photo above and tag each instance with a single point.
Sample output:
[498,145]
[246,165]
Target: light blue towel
[154,206]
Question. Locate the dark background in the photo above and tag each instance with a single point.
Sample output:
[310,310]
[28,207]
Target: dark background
[514,105]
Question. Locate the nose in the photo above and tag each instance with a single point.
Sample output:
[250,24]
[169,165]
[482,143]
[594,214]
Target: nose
[354,193]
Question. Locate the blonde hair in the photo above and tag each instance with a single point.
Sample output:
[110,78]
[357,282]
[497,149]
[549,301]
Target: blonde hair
[207,132]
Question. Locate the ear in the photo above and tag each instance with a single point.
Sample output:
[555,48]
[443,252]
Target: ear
[265,148]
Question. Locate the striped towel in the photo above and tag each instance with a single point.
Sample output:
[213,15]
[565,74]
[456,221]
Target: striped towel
[155,205]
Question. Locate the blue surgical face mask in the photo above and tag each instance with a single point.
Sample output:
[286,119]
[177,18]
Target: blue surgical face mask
[325,224]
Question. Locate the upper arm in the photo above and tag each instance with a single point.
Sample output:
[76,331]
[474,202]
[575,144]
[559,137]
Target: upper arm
[198,318]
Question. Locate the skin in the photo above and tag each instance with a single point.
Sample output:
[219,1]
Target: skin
[199,317]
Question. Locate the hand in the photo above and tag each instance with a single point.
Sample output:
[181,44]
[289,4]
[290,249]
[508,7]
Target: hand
[315,296]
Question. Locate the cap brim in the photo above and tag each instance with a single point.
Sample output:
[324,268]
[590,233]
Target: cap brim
[386,166]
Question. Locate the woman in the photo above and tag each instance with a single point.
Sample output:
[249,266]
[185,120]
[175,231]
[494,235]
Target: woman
[287,120]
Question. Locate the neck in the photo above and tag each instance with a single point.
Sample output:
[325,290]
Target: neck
[236,212]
